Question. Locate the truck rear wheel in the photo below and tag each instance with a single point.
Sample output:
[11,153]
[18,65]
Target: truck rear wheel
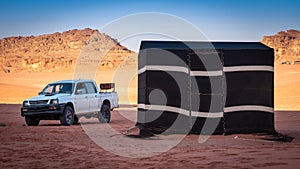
[31,121]
[104,114]
[67,118]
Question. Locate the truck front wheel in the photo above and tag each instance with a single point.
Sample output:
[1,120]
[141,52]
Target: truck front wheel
[67,118]
[76,120]
[31,121]
[104,114]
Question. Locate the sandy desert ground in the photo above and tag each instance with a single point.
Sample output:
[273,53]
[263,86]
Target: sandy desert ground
[51,145]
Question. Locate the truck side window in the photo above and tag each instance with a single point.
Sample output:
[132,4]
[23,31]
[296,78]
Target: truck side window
[57,88]
[80,89]
[90,88]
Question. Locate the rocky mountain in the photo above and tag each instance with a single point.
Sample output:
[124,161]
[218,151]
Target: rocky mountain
[59,52]
[286,46]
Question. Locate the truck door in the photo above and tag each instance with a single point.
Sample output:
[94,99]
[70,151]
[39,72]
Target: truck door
[92,97]
[81,98]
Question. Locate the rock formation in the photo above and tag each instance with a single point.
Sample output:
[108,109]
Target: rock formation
[286,46]
[58,52]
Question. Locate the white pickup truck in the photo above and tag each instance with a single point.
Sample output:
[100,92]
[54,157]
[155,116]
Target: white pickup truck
[68,100]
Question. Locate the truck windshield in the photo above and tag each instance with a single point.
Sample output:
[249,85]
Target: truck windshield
[56,88]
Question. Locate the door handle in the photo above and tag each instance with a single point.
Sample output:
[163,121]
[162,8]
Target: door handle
[96,96]
[86,97]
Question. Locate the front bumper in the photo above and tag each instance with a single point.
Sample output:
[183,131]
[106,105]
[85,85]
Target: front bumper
[45,109]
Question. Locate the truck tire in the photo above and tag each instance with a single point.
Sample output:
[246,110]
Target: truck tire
[31,121]
[67,118]
[104,114]
[76,119]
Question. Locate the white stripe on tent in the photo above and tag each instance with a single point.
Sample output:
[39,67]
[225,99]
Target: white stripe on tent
[164,68]
[249,108]
[180,111]
[207,73]
[207,114]
[180,69]
[164,108]
[248,68]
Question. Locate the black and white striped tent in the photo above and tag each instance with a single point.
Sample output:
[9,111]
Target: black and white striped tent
[203,87]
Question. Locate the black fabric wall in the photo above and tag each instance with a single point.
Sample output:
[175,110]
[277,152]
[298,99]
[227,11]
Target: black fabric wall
[251,88]
[224,90]
[202,93]
[162,87]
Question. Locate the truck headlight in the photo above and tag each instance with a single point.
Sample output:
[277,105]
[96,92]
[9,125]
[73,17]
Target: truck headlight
[54,101]
[26,103]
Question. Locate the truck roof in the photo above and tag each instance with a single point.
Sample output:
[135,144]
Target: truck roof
[73,81]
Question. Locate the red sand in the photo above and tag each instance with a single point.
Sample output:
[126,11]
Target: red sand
[51,145]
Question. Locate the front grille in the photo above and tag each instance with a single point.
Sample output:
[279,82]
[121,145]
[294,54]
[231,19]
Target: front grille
[38,102]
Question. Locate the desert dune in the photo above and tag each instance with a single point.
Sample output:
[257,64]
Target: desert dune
[15,87]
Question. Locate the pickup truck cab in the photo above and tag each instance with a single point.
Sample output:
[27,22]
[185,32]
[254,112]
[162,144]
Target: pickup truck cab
[68,100]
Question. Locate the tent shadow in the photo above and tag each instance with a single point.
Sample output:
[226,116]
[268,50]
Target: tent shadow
[278,137]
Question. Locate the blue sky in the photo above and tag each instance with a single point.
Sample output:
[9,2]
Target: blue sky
[219,20]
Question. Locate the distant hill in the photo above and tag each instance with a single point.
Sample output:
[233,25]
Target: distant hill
[58,52]
[286,46]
